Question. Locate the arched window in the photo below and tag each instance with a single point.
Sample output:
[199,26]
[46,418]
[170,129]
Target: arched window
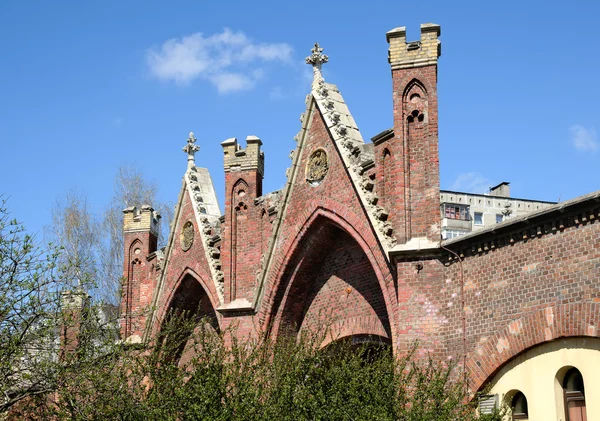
[518,405]
[574,393]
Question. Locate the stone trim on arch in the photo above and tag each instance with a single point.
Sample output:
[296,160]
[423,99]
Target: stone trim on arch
[535,328]
[344,218]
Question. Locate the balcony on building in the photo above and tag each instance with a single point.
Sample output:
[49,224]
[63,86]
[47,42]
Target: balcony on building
[456,220]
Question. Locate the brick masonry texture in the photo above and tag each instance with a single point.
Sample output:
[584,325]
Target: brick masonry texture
[309,257]
[310,248]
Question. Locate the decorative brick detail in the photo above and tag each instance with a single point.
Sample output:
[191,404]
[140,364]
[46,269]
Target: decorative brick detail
[407,163]
[181,265]
[534,328]
[244,219]
[140,241]
[523,293]
[369,326]
[309,209]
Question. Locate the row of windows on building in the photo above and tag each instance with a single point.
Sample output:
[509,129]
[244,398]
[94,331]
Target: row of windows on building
[573,395]
[460,212]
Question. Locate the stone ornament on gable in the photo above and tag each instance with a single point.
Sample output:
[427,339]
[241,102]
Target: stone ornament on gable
[317,167]
[190,149]
[316,60]
[187,236]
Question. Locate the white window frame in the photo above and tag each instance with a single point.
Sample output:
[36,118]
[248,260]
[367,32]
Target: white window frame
[475,218]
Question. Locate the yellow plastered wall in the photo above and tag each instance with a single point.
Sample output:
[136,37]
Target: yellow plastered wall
[534,374]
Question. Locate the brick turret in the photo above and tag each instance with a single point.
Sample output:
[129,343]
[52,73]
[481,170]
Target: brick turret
[74,306]
[241,249]
[140,229]
[407,159]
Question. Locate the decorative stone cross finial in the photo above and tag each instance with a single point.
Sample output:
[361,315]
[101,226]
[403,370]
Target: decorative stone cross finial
[316,59]
[191,148]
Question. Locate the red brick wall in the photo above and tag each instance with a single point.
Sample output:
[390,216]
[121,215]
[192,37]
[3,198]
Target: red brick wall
[331,286]
[521,294]
[511,291]
[139,281]
[408,177]
[323,225]
[242,240]
[422,301]
[190,263]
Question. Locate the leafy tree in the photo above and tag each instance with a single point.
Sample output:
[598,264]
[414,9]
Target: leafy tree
[30,285]
[75,228]
[259,379]
[92,243]
[49,329]
[131,188]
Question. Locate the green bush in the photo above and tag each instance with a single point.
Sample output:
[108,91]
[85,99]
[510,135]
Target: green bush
[291,379]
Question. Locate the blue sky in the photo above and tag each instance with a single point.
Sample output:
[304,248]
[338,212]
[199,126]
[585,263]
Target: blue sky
[88,86]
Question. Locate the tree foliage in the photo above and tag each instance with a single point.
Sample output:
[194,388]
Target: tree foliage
[131,188]
[260,379]
[92,242]
[30,285]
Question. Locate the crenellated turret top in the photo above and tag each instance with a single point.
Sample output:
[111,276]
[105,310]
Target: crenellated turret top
[424,52]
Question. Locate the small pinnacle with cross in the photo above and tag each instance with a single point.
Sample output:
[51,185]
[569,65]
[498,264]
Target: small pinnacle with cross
[191,148]
[316,59]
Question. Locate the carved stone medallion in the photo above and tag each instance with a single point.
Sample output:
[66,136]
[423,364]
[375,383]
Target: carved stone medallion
[187,236]
[317,167]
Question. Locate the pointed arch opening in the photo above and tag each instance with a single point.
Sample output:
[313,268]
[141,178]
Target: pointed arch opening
[330,286]
[415,90]
[190,309]
[130,297]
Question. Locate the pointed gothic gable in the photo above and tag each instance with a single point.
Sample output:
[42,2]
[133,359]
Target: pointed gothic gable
[327,182]
[192,247]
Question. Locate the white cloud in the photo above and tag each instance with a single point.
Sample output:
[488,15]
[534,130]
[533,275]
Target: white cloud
[229,60]
[584,139]
[472,182]
[230,82]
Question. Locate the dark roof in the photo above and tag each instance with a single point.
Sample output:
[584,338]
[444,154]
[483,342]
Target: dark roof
[384,135]
[498,197]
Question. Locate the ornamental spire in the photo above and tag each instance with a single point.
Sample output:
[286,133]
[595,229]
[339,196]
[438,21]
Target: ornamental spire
[191,148]
[316,59]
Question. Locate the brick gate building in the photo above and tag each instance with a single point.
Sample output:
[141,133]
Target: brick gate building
[353,241]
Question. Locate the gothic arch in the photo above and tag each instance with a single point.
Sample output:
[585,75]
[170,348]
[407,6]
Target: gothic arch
[535,328]
[137,242]
[415,79]
[239,185]
[130,292]
[414,86]
[179,287]
[190,300]
[329,260]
